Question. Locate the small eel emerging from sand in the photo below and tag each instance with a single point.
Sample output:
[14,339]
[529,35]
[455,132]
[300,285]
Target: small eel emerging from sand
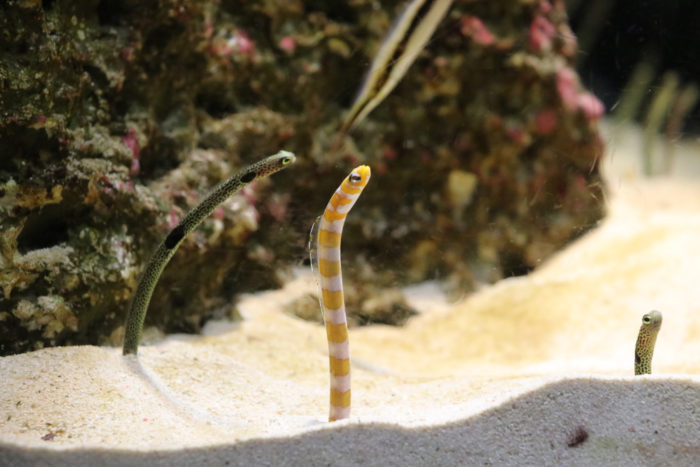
[644,350]
[325,260]
[166,250]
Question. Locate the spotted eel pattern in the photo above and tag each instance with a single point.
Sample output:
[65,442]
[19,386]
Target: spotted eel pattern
[325,258]
[646,340]
[166,250]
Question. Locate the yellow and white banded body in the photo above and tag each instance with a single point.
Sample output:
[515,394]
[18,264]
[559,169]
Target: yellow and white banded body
[326,261]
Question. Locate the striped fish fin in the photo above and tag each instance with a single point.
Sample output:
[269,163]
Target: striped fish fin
[313,261]
[408,36]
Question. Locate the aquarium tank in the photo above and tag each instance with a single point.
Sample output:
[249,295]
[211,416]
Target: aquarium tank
[208,206]
[482,123]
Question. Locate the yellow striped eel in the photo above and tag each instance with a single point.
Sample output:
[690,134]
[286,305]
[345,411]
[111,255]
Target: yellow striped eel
[644,350]
[400,48]
[325,259]
[166,250]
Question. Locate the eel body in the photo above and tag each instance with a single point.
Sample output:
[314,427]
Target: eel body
[646,340]
[325,259]
[166,250]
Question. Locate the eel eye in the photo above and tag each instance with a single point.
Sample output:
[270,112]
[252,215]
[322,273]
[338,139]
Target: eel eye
[646,319]
[286,160]
[354,178]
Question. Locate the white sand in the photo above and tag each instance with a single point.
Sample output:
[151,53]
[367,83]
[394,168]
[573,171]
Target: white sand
[511,375]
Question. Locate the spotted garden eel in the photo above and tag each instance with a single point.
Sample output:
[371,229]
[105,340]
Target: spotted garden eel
[325,260]
[644,350]
[166,250]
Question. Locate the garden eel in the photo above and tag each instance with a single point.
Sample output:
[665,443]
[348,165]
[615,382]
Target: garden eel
[644,351]
[166,250]
[325,260]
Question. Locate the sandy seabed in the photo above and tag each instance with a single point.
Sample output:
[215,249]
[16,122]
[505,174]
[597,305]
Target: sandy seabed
[535,370]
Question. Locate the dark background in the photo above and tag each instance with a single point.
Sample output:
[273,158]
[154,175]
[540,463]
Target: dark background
[614,35]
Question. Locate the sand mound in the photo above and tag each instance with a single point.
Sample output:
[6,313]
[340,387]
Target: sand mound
[534,370]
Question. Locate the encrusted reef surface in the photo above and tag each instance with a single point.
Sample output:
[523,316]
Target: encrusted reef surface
[116,117]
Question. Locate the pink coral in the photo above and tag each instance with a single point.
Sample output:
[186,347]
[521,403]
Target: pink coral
[220,47]
[567,87]
[173,218]
[130,140]
[127,53]
[545,121]
[390,153]
[541,34]
[250,194]
[277,206]
[590,105]
[128,186]
[516,134]
[286,133]
[219,213]
[474,28]
[288,44]
[243,43]
[239,42]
